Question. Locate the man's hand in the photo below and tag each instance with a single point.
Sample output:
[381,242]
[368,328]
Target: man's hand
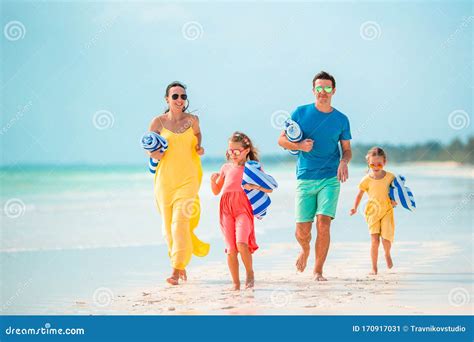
[353,211]
[342,171]
[306,145]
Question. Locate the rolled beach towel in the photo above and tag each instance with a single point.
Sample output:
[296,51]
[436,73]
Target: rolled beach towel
[259,200]
[152,141]
[293,133]
[401,193]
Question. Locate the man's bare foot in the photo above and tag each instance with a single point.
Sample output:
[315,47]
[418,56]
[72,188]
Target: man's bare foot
[373,272]
[173,280]
[250,281]
[302,260]
[182,275]
[319,277]
[388,258]
[235,287]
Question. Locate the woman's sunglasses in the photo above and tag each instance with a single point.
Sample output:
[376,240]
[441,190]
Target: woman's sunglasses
[235,151]
[327,89]
[183,97]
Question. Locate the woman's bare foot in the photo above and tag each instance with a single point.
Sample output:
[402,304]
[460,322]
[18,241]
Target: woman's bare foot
[174,279]
[388,258]
[235,287]
[302,260]
[250,281]
[373,272]
[319,277]
[182,275]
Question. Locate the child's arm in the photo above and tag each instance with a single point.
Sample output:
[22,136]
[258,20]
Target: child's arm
[257,187]
[197,133]
[217,182]
[357,201]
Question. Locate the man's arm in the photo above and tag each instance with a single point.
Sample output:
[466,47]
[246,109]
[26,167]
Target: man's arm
[304,145]
[343,171]
[346,150]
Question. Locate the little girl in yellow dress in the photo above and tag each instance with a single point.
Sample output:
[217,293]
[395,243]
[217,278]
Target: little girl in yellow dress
[379,209]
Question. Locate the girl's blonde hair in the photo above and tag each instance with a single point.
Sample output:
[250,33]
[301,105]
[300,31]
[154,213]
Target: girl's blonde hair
[243,139]
[376,152]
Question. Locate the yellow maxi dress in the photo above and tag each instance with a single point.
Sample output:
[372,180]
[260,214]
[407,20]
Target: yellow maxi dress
[177,182]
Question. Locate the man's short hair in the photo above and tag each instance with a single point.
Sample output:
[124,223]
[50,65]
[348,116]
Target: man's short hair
[323,75]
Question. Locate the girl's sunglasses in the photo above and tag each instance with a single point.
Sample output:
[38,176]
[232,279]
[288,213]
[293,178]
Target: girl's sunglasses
[373,166]
[183,97]
[235,152]
[327,89]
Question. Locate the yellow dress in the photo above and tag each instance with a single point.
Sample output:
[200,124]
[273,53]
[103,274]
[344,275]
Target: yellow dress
[379,211]
[177,182]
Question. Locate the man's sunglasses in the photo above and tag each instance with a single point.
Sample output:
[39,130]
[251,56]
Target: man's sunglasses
[183,97]
[327,89]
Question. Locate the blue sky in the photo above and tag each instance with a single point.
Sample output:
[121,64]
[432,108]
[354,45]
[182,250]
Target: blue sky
[401,70]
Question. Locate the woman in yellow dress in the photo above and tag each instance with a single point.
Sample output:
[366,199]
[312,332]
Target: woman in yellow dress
[178,179]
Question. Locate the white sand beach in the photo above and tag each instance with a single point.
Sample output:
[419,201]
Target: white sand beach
[410,288]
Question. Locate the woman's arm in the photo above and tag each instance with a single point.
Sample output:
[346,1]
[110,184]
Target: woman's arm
[197,133]
[155,126]
[357,202]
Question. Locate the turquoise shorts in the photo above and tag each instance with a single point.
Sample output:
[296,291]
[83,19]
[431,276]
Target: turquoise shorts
[316,197]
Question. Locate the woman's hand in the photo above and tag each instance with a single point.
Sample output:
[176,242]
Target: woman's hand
[394,203]
[156,154]
[199,150]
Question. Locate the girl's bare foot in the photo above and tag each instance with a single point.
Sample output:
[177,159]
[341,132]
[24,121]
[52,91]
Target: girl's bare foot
[373,272]
[319,277]
[182,275]
[302,260]
[250,281]
[235,287]
[388,258]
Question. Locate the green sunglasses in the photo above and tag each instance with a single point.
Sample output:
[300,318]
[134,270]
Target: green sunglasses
[327,89]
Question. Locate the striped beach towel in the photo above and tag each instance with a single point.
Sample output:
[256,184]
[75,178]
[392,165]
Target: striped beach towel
[401,193]
[293,133]
[152,141]
[259,200]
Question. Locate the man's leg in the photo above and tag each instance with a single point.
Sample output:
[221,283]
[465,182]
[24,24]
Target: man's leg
[303,235]
[323,238]
[327,198]
[305,211]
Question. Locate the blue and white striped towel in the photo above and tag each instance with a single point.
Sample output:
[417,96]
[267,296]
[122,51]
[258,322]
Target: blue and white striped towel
[401,193]
[259,200]
[293,133]
[152,141]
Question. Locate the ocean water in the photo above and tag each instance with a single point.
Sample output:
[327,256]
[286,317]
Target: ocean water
[67,231]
